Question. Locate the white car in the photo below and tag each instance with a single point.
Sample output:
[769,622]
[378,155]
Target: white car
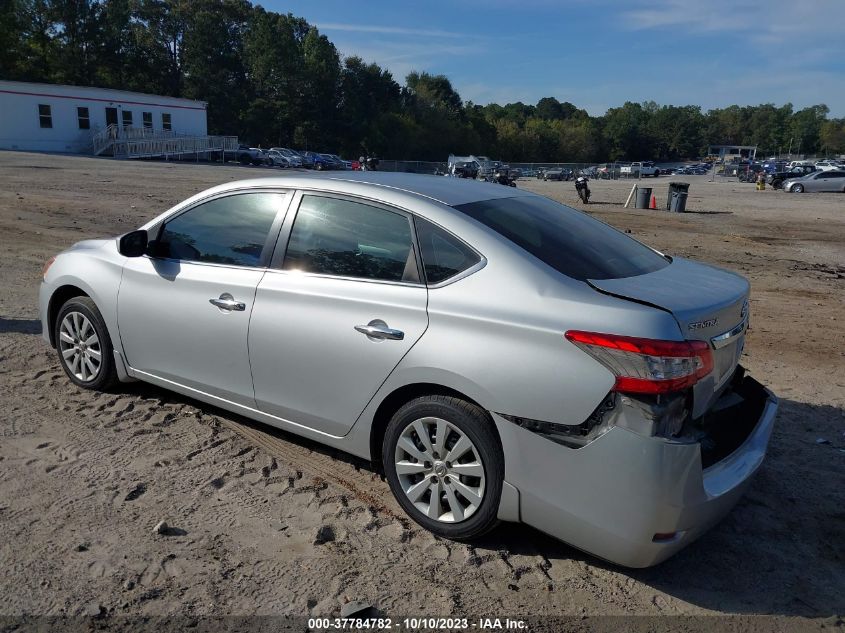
[294,159]
[829,165]
[277,159]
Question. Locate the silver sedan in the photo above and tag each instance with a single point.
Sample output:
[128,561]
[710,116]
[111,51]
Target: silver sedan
[498,355]
[817,182]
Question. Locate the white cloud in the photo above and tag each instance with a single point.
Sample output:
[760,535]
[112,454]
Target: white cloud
[401,49]
[775,22]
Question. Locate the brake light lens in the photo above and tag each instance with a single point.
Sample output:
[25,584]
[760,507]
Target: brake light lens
[644,365]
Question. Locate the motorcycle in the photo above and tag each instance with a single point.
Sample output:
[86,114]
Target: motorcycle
[582,189]
[368,163]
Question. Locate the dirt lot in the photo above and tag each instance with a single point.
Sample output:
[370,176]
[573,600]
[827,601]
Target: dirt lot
[84,477]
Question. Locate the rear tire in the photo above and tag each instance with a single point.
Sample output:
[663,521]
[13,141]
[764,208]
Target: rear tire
[84,346]
[445,466]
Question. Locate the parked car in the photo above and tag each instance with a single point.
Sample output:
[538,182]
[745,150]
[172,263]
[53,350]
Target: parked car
[561,373]
[776,179]
[816,182]
[829,164]
[774,166]
[640,169]
[277,159]
[307,159]
[465,169]
[557,173]
[338,162]
[320,161]
[251,156]
[294,159]
[748,173]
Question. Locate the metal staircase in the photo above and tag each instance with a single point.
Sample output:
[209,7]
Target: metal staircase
[133,142]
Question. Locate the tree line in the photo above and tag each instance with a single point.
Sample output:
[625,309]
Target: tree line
[273,79]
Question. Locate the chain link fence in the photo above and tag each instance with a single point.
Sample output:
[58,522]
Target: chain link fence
[525,170]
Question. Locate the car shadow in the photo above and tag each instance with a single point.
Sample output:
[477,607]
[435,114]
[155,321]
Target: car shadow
[20,326]
[780,551]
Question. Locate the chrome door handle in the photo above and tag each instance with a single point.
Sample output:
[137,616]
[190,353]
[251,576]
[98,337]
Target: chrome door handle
[228,302]
[377,329]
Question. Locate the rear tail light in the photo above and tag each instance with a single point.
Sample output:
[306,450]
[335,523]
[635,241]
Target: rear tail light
[647,366]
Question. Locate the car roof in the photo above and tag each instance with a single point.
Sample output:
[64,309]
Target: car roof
[449,191]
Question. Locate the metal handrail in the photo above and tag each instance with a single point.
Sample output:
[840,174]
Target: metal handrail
[132,142]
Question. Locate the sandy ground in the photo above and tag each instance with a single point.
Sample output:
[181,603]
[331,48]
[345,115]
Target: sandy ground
[84,477]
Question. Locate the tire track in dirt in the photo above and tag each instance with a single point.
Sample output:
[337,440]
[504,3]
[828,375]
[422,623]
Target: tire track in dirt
[372,489]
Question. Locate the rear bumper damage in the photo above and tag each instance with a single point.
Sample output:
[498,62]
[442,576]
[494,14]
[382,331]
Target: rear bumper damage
[636,500]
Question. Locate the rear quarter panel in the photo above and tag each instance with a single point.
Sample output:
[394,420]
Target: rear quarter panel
[498,335]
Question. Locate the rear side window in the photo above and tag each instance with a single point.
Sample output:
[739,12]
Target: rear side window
[443,254]
[230,230]
[333,236]
[569,241]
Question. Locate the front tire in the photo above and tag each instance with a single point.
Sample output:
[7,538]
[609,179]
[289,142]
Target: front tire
[797,189]
[445,466]
[84,346]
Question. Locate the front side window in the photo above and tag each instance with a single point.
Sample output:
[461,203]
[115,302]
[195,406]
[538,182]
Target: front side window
[148,119]
[45,115]
[230,230]
[332,236]
[443,254]
[83,118]
[127,118]
[165,121]
[569,241]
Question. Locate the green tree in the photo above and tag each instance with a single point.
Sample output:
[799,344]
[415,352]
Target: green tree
[832,137]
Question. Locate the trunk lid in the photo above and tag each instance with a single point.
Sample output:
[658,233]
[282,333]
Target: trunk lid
[710,304]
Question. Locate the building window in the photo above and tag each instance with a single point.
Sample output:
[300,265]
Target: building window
[45,115]
[127,118]
[148,120]
[83,118]
[165,121]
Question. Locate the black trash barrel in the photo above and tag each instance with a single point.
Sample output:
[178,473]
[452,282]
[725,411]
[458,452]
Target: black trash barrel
[643,197]
[679,202]
[673,188]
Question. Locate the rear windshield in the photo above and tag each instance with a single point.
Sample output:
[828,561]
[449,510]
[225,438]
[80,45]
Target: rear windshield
[569,241]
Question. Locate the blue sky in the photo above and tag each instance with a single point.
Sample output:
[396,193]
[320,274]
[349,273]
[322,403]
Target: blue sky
[600,53]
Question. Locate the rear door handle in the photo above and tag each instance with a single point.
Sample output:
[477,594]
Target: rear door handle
[379,330]
[228,302]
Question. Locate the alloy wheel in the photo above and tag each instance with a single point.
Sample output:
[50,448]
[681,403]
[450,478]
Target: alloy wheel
[80,346]
[440,470]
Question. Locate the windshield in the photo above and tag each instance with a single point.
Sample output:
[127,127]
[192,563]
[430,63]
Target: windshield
[569,241]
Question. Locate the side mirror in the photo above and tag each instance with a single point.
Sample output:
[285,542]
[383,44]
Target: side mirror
[133,244]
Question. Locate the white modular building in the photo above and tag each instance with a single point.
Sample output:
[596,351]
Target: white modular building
[54,118]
